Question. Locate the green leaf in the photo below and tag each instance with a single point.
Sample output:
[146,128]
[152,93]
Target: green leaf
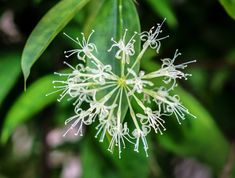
[163,8]
[111,22]
[90,157]
[46,30]
[229,6]
[93,9]
[194,136]
[9,72]
[133,164]
[28,104]
[113,18]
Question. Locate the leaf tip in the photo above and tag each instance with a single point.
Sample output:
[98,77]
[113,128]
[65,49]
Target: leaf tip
[26,72]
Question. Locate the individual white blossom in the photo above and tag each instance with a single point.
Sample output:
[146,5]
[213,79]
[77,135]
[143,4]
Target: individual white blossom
[151,37]
[120,134]
[100,96]
[140,135]
[137,82]
[171,105]
[169,71]
[86,47]
[100,73]
[153,119]
[104,127]
[78,121]
[125,50]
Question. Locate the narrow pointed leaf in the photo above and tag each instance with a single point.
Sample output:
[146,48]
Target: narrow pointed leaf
[46,30]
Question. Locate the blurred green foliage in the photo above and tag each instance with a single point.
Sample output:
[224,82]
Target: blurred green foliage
[202,30]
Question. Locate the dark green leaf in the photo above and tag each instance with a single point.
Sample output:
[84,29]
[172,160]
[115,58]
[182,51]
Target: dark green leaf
[9,72]
[46,30]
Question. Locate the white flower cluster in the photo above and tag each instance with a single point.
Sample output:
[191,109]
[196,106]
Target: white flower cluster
[99,94]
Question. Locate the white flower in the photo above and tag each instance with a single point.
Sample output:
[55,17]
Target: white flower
[124,49]
[169,71]
[141,135]
[99,95]
[81,118]
[170,105]
[151,38]
[137,82]
[152,119]
[119,133]
[86,47]
[104,126]
[101,73]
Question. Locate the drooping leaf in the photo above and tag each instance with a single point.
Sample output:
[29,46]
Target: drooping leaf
[46,30]
[229,6]
[163,8]
[28,104]
[9,72]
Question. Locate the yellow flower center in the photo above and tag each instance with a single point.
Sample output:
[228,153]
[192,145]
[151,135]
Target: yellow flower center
[122,81]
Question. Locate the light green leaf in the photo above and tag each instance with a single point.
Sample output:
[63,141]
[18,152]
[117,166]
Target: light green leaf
[229,6]
[163,8]
[28,104]
[46,30]
[9,72]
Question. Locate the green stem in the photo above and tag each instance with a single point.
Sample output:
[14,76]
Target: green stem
[132,111]
[119,108]
[137,100]
[139,57]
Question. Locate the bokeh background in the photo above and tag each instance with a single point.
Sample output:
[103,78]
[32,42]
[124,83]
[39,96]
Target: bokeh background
[31,124]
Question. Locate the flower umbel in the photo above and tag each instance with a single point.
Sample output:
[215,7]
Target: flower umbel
[99,95]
